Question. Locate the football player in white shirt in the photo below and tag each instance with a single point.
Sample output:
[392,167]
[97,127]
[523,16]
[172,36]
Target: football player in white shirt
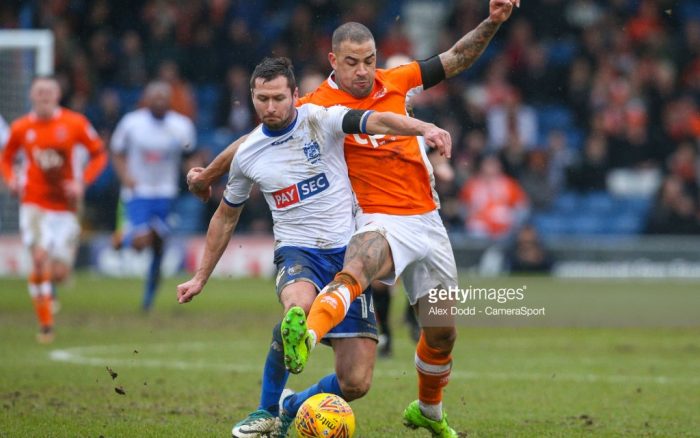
[296,157]
[147,147]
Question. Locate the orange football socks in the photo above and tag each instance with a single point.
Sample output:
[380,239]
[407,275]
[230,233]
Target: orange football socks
[40,291]
[433,368]
[332,304]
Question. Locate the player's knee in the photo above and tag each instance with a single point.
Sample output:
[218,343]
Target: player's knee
[354,387]
[59,272]
[39,258]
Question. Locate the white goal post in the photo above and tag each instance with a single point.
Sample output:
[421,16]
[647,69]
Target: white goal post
[24,54]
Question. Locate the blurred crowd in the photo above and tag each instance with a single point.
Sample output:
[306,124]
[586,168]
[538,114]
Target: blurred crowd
[572,96]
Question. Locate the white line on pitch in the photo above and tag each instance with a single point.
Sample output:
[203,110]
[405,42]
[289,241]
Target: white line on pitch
[84,356]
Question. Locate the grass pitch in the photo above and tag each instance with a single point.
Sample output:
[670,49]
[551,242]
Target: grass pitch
[610,358]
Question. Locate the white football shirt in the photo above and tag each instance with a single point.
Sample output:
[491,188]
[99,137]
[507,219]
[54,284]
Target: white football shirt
[153,149]
[301,171]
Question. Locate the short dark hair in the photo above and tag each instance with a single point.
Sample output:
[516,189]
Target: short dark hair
[271,68]
[352,31]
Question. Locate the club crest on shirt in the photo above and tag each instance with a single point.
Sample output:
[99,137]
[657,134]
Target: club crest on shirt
[313,152]
[379,94]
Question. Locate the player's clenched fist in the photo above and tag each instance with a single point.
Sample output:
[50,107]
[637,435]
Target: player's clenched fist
[500,10]
[195,185]
[188,290]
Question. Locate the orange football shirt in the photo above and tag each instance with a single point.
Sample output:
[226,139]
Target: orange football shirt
[388,173]
[49,148]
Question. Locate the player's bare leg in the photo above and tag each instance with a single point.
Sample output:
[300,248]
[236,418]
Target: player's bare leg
[433,364]
[40,290]
[367,258]
[354,365]
[264,421]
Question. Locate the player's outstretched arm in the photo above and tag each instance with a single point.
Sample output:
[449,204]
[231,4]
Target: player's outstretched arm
[200,180]
[390,123]
[468,49]
[220,229]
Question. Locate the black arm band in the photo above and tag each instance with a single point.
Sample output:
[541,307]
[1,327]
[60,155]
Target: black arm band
[355,121]
[431,71]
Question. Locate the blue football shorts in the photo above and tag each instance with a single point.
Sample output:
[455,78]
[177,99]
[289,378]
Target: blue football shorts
[319,266]
[144,214]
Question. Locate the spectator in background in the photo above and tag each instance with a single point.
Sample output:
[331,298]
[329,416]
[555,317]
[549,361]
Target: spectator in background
[683,163]
[540,82]
[674,211]
[512,122]
[238,45]
[535,181]
[589,173]
[631,62]
[131,69]
[578,90]
[646,25]
[233,110]
[182,98]
[560,156]
[147,148]
[513,156]
[528,254]
[495,203]
[107,114]
[51,139]
[202,61]
[103,59]
[300,32]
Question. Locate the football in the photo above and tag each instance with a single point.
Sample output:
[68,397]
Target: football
[325,416]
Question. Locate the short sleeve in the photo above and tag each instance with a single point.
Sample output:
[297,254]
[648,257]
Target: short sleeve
[331,118]
[238,186]
[189,143]
[405,77]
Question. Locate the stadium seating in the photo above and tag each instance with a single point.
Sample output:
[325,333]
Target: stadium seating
[596,213]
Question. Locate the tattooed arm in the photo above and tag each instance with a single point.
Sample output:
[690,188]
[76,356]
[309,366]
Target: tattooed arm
[468,49]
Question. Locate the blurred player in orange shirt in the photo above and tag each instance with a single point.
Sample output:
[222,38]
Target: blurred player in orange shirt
[50,137]
[496,204]
[399,231]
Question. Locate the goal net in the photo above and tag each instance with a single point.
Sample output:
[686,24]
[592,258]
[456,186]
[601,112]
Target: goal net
[23,55]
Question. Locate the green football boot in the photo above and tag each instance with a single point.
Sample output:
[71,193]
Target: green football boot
[414,418]
[296,340]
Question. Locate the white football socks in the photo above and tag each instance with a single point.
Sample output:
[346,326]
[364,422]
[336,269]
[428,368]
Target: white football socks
[434,412]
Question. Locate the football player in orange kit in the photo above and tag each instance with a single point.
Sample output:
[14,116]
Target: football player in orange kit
[399,230]
[53,188]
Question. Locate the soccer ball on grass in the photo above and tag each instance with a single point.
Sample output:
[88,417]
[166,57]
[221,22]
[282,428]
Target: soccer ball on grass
[325,416]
